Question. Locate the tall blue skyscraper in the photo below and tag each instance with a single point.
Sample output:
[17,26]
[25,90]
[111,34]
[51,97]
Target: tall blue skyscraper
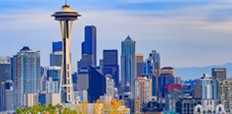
[97,85]
[128,63]
[26,76]
[56,46]
[89,46]
[110,64]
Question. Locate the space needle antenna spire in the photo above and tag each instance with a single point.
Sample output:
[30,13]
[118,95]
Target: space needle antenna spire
[66,18]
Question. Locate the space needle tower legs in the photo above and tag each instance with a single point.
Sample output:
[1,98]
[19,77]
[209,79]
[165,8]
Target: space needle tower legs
[66,18]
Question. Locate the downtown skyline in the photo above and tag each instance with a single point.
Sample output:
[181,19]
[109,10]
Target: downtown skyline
[186,33]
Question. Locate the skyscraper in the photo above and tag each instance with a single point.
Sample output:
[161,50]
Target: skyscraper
[139,64]
[97,85]
[219,73]
[143,88]
[26,74]
[128,63]
[5,70]
[110,64]
[152,67]
[56,58]
[7,95]
[89,46]
[56,46]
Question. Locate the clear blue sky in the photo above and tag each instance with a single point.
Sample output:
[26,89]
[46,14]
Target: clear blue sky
[186,33]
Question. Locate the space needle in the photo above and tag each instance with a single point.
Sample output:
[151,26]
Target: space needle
[66,17]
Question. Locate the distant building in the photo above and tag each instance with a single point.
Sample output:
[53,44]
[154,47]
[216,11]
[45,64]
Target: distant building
[110,64]
[110,87]
[152,68]
[56,46]
[164,79]
[7,95]
[52,86]
[97,85]
[224,94]
[89,47]
[139,62]
[186,105]
[167,70]
[54,72]
[53,98]
[171,97]
[26,75]
[219,73]
[207,88]
[170,87]
[143,87]
[56,58]
[128,63]
[31,99]
[186,89]
[83,79]
[80,96]
[5,71]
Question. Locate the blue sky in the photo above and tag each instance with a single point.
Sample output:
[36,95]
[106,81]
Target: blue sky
[186,33]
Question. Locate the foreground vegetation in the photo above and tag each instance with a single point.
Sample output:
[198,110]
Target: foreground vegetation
[98,108]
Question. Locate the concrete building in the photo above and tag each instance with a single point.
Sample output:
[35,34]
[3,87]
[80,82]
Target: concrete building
[83,79]
[80,96]
[167,70]
[52,86]
[110,87]
[143,89]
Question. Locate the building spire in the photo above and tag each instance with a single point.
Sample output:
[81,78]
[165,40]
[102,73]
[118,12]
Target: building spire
[65,2]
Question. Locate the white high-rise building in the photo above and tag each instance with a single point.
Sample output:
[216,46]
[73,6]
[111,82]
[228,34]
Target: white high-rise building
[52,86]
[110,87]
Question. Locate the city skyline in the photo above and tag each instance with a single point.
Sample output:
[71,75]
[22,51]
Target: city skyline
[186,33]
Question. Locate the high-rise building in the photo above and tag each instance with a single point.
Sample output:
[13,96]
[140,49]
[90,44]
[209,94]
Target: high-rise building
[54,72]
[97,85]
[7,95]
[26,74]
[128,63]
[5,70]
[56,46]
[164,79]
[207,88]
[109,87]
[56,58]
[89,47]
[110,65]
[52,86]
[219,73]
[139,64]
[152,67]
[171,97]
[143,87]
[225,93]
[167,70]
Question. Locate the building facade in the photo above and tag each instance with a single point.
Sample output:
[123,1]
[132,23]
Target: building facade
[7,95]
[128,63]
[143,89]
[5,71]
[97,85]
[219,73]
[27,74]
[110,64]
